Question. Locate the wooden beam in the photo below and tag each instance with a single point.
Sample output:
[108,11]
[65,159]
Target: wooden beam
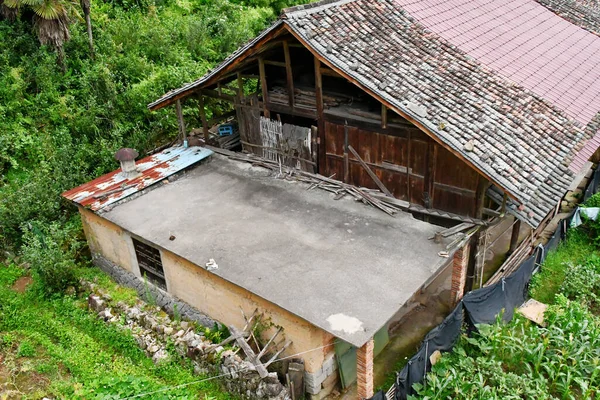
[180,121]
[330,72]
[216,95]
[264,87]
[379,184]
[203,118]
[289,74]
[383,116]
[274,63]
[320,119]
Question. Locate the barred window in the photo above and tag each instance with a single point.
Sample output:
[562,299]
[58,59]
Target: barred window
[151,267]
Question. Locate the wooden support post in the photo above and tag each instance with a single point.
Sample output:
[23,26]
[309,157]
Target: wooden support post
[288,72]
[482,187]
[514,237]
[203,118]
[320,121]
[384,115]
[180,121]
[346,158]
[364,370]
[263,86]
[240,84]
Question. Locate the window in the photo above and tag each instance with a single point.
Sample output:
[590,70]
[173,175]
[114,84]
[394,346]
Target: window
[151,267]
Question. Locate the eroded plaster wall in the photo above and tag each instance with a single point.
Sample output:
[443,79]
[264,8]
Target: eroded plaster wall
[109,240]
[211,294]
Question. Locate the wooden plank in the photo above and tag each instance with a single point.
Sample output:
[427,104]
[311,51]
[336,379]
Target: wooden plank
[264,87]
[203,118]
[320,120]
[288,73]
[180,121]
[371,173]
[383,116]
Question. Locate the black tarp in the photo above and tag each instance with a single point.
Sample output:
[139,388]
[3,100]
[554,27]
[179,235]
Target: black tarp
[593,185]
[443,338]
[379,396]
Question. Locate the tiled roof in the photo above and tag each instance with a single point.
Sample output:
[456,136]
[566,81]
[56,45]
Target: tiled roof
[586,14]
[516,102]
[521,140]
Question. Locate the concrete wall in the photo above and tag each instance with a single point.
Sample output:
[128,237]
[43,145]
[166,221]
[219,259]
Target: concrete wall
[210,294]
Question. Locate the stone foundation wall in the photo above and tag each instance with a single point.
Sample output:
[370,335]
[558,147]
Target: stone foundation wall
[321,383]
[149,292]
[153,330]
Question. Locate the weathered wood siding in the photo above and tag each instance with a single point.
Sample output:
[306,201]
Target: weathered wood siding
[411,165]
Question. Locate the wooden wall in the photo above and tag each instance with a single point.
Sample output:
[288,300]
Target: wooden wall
[410,164]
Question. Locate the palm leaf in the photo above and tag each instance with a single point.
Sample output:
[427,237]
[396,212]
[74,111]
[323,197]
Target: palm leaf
[49,9]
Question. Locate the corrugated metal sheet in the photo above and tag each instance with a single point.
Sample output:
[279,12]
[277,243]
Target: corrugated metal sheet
[114,186]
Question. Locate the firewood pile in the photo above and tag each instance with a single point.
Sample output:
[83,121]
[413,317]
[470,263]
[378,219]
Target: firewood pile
[302,98]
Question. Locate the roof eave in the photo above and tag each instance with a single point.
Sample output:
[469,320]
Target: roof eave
[208,79]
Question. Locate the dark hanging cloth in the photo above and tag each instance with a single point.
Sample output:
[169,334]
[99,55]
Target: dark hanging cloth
[483,305]
[378,396]
[516,286]
[443,338]
[556,237]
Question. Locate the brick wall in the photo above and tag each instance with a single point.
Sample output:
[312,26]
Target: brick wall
[364,370]
[459,273]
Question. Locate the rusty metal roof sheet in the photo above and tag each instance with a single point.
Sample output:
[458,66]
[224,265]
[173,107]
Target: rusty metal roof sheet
[114,186]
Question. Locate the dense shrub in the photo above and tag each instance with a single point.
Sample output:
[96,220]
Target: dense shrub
[52,252]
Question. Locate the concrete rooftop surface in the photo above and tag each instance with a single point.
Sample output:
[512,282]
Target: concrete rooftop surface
[340,265]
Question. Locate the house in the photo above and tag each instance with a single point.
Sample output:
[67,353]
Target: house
[461,114]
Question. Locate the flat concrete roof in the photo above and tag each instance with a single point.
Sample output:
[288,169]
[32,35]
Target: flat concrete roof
[340,265]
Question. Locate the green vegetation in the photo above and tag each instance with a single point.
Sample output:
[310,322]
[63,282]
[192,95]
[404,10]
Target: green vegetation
[55,347]
[61,129]
[522,360]
[60,124]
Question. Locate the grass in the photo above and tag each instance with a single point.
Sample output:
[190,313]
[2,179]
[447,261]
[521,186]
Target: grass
[575,250]
[57,348]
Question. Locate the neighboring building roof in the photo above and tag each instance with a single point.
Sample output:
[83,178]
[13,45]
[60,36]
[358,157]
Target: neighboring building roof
[298,249]
[515,80]
[114,186]
[585,13]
